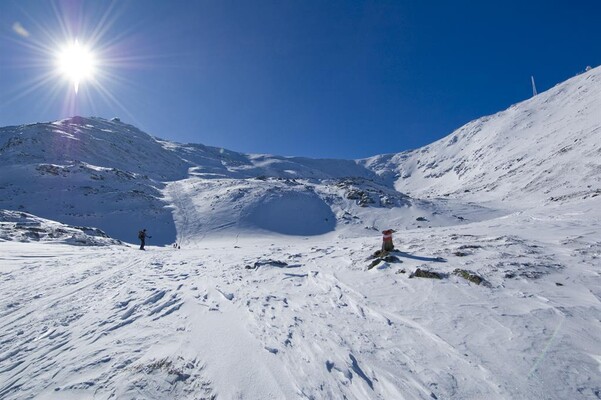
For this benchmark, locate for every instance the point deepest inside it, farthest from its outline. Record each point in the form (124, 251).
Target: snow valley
(493, 291)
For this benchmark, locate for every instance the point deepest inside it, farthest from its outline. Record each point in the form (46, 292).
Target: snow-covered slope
(89, 171)
(282, 318)
(276, 292)
(94, 172)
(542, 150)
(350, 207)
(27, 228)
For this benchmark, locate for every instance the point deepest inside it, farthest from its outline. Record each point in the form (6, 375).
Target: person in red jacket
(387, 240)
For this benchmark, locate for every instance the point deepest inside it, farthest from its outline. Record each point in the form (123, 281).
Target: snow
(543, 150)
(318, 326)
(270, 295)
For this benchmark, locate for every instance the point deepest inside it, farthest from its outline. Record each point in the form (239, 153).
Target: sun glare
(76, 63)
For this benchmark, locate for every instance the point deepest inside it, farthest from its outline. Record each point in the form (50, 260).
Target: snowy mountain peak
(105, 173)
(542, 150)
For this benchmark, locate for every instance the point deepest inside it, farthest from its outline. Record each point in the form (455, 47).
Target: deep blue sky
(332, 79)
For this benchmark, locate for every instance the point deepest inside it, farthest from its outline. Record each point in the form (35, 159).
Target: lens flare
(76, 63)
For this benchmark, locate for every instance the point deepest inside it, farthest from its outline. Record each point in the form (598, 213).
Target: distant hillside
(95, 172)
(110, 175)
(23, 227)
(543, 150)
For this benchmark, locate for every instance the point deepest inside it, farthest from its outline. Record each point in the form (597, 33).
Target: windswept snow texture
(282, 318)
(276, 292)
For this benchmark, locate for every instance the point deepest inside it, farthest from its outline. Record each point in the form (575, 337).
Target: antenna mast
(534, 92)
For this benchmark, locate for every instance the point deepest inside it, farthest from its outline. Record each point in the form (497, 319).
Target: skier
(142, 236)
(387, 240)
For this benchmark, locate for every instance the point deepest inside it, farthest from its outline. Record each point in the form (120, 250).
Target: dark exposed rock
(420, 273)
(374, 263)
(382, 256)
(273, 263)
(532, 274)
(378, 254)
(363, 198)
(470, 276)
(392, 259)
(367, 193)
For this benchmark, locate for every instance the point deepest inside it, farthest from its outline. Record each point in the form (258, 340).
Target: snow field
(280, 317)
(271, 297)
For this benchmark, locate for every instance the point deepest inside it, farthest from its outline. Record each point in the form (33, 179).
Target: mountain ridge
(540, 150)
(105, 173)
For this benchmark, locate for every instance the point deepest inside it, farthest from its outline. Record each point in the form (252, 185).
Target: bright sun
(76, 63)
